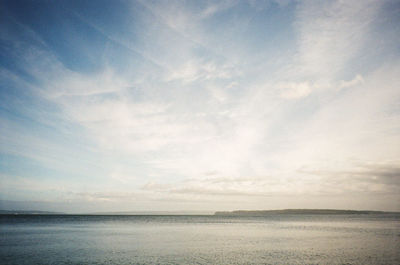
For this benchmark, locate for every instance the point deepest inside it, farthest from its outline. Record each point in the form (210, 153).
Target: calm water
(283, 239)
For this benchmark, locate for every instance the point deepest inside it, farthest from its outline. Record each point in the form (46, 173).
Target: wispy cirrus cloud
(199, 101)
(332, 33)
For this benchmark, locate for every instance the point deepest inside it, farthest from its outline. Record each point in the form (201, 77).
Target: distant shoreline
(27, 212)
(297, 212)
(139, 213)
(249, 213)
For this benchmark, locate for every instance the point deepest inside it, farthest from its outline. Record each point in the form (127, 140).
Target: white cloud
(295, 90)
(197, 71)
(331, 33)
(358, 79)
(199, 127)
(75, 84)
(357, 124)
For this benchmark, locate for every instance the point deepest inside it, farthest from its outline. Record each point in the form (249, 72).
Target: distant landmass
(27, 212)
(218, 213)
(154, 213)
(32, 212)
(294, 211)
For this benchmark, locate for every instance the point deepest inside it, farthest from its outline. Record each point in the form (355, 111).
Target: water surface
(277, 239)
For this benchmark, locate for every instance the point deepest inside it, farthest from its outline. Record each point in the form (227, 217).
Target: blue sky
(199, 105)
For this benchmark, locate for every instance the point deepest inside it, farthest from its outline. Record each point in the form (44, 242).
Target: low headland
(295, 212)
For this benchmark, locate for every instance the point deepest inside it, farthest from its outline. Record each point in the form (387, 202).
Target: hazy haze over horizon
(199, 105)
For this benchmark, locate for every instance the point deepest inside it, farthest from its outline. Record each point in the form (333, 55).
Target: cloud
(188, 114)
(196, 71)
(295, 90)
(354, 124)
(331, 33)
(382, 178)
(241, 187)
(358, 79)
(71, 84)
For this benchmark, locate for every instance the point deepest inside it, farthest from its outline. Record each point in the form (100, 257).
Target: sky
(199, 105)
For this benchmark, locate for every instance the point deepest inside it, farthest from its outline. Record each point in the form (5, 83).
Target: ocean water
(278, 239)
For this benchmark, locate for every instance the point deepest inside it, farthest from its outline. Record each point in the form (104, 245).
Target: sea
(150, 239)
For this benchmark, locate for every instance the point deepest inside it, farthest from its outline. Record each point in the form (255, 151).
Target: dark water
(281, 239)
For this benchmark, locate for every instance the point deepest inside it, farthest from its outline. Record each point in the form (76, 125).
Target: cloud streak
(202, 102)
